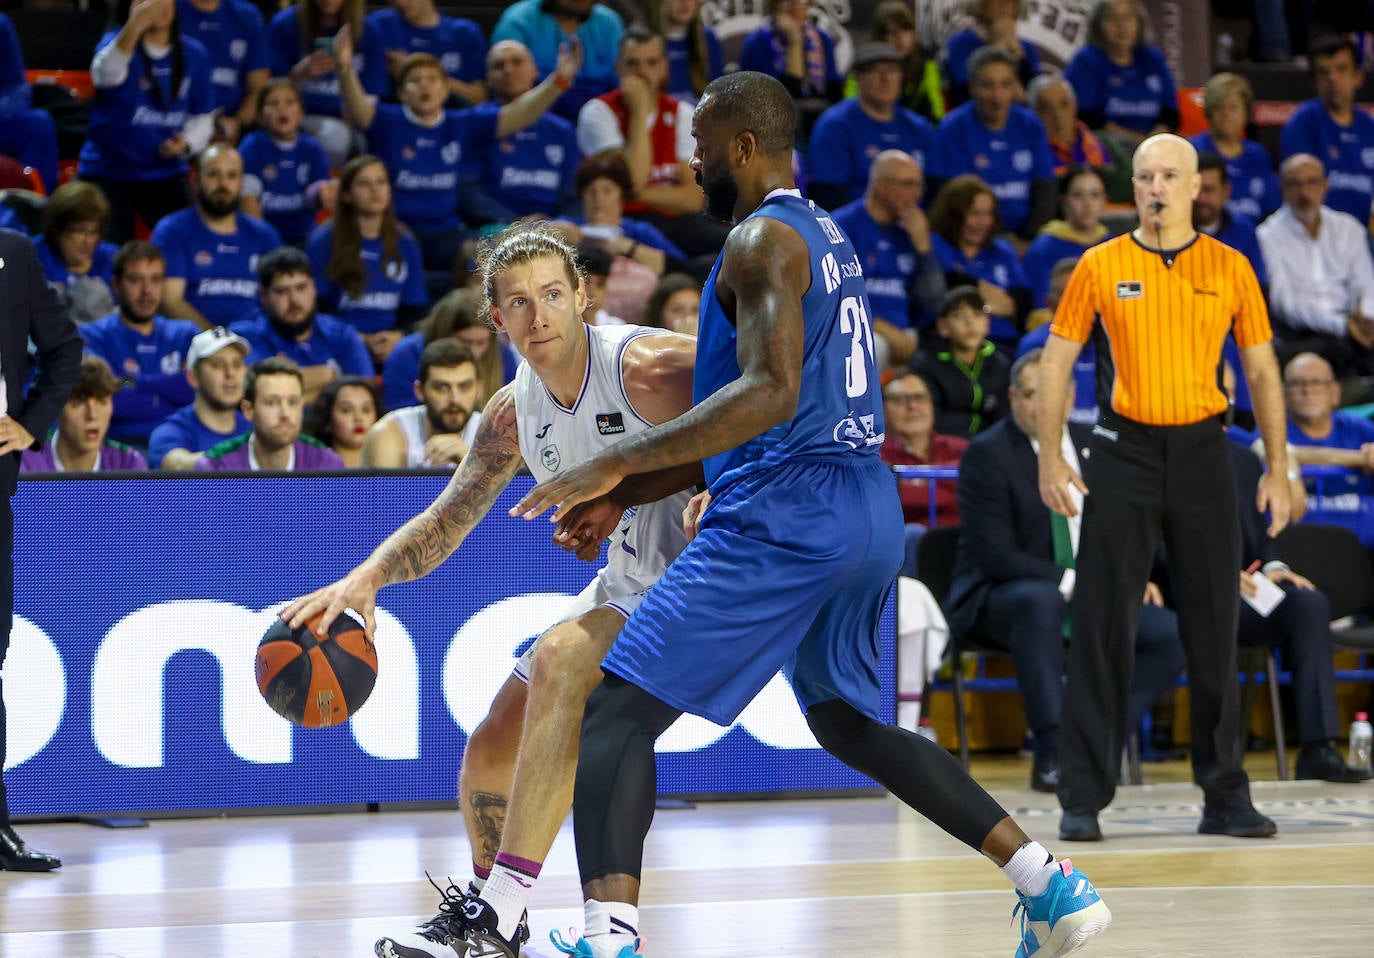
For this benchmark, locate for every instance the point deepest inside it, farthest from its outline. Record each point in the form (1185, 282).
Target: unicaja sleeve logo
(831, 270)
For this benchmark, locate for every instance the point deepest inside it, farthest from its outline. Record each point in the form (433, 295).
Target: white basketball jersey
(554, 437)
(411, 421)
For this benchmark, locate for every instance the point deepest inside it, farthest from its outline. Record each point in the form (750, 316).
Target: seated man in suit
(1299, 626)
(1013, 577)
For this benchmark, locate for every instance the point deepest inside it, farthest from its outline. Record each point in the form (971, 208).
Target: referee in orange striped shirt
(1159, 302)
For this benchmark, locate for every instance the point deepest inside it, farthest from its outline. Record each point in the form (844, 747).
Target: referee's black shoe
(15, 856)
(1238, 821)
(1079, 825)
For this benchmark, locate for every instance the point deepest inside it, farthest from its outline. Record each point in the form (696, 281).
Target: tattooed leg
(488, 766)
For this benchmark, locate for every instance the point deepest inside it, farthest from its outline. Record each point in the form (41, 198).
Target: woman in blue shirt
(152, 111)
(964, 228)
(1123, 84)
(75, 260)
(695, 57)
(1226, 102)
(367, 266)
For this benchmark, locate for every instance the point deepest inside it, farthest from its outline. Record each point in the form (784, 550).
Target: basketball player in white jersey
(579, 390)
(439, 430)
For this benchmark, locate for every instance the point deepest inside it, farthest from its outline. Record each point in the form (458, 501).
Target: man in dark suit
(1300, 626)
(1012, 581)
(29, 312)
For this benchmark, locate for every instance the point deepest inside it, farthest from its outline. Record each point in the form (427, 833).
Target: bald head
(1302, 181)
(895, 185)
(1166, 147)
(1299, 163)
(510, 70)
(1311, 392)
(218, 155)
(1307, 366)
(890, 164)
(1166, 181)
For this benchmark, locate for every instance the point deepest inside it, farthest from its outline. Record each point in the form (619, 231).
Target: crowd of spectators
(385, 145)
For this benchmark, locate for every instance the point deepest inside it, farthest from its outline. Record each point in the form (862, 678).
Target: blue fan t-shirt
(845, 141)
(131, 121)
(321, 94)
(331, 343)
(426, 162)
(1009, 160)
(532, 170)
(386, 285)
(235, 39)
(456, 43)
(1254, 184)
(1133, 96)
(285, 171)
(221, 271)
(1346, 151)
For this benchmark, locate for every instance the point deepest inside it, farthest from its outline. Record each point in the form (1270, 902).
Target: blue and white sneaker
(582, 949)
(1062, 919)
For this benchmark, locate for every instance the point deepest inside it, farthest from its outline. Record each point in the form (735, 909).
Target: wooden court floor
(738, 880)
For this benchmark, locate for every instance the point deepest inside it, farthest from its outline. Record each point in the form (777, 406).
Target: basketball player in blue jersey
(579, 389)
(794, 556)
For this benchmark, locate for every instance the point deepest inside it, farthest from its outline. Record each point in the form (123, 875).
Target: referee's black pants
(1144, 481)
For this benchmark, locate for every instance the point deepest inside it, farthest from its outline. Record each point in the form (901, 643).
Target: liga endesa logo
(127, 699)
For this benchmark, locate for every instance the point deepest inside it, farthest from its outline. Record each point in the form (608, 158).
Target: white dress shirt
(1317, 283)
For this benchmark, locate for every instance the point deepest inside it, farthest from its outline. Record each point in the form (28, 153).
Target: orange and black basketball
(312, 680)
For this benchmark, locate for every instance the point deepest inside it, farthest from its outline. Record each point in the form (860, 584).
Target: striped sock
(508, 891)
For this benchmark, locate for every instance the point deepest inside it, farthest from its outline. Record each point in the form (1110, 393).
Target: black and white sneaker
(444, 935)
(482, 939)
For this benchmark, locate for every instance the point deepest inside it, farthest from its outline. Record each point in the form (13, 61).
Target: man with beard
(212, 247)
(1321, 277)
(273, 402)
(216, 374)
(287, 325)
(439, 431)
(543, 25)
(1212, 214)
(147, 349)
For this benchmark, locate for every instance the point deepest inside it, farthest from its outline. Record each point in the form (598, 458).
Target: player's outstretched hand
(587, 526)
(356, 591)
(593, 478)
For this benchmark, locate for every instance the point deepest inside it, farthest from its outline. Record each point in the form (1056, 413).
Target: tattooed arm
(421, 544)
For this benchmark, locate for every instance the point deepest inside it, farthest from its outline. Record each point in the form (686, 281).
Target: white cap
(211, 341)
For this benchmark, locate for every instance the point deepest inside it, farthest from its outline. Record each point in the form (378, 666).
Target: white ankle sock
(1030, 869)
(609, 926)
(508, 891)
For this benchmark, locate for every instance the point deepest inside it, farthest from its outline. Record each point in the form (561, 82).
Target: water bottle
(926, 729)
(1361, 742)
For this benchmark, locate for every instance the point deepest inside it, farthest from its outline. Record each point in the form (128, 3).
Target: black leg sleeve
(913, 768)
(617, 782)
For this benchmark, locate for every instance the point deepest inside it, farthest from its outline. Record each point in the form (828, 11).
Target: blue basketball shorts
(790, 571)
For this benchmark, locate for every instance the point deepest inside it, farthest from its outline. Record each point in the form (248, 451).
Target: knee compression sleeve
(613, 801)
(913, 768)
